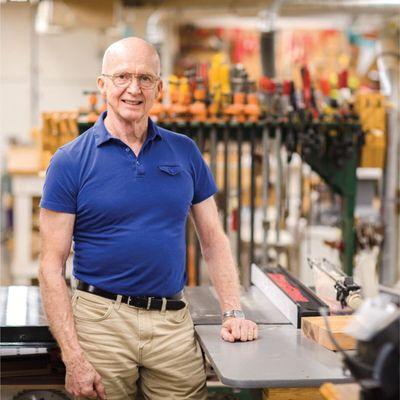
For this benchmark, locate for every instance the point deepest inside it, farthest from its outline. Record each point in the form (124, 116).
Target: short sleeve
(204, 184)
(60, 187)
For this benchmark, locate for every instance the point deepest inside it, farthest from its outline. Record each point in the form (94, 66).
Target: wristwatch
(233, 314)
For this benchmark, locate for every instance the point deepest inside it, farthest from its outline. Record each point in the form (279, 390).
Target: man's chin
(132, 116)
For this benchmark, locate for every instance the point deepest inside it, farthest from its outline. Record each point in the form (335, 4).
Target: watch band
(233, 314)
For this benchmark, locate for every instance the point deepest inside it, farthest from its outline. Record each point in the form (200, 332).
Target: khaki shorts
(134, 348)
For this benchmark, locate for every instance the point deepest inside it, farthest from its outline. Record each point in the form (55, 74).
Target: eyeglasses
(124, 79)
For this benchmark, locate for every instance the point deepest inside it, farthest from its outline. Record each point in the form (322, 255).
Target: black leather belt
(149, 303)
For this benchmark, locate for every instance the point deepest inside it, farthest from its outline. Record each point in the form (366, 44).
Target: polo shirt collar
(152, 130)
(102, 135)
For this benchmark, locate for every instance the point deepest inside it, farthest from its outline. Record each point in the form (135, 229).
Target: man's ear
(159, 88)
(101, 85)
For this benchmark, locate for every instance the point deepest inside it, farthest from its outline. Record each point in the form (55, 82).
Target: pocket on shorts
(91, 310)
(177, 316)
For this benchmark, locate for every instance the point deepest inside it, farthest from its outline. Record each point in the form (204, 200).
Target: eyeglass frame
(113, 76)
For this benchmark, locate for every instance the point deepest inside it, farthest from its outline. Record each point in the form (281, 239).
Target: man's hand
(82, 379)
(235, 329)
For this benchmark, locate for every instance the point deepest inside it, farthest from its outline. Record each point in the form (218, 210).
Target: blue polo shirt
(131, 212)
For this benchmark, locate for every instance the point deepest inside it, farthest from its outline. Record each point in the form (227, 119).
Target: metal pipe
(265, 192)
(34, 70)
(213, 150)
(199, 134)
(388, 67)
(278, 183)
(198, 8)
(295, 7)
(189, 266)
(252, 190)
(267, 21)
(239, 195)
(197, 261)
(200, 138)
(343, 3)
(226, 178)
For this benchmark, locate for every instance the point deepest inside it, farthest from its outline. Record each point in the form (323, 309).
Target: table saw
(280, 358)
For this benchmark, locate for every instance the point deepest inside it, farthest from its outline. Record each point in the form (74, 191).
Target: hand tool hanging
(226, 204)
(267, 92)
(236, 112)
(252, 111)
(214, 109)
(278, 112)
(289, 137)
(265, 191)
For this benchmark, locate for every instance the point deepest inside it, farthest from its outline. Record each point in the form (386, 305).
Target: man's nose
(134, 85)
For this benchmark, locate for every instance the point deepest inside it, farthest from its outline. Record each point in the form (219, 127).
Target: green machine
(332, 150)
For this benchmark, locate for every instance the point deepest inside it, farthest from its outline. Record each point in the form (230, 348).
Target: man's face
(131, 103)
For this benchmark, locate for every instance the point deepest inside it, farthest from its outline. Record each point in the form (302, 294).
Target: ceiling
(285, 7)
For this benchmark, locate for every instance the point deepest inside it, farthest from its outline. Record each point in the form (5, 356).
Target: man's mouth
(133, 103)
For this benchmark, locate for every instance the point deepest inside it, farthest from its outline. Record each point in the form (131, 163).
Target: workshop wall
(15, 70)
(67, 65)
(41, 72)
(49, 72)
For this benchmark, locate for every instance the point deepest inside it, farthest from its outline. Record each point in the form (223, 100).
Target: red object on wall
(202, 72)
(238, 48)
(286, 88)
(325, 87)
(306, 78)
(342, 79)
(267, 85)
(235, 219)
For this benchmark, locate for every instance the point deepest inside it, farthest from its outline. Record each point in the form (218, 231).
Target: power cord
(355, 366)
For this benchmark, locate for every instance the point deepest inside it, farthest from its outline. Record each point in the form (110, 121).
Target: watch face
(238, 314)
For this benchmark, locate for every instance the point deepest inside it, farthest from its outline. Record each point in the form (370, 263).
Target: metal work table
(22, 319)
(281, 357)
(24, 323)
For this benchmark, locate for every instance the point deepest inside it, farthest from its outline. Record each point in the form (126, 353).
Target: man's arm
(217, 253)
(56, 236)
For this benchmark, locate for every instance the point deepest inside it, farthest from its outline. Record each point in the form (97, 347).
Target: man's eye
(122, 77)
(146, 78)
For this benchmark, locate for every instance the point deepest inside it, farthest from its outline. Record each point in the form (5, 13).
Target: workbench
(281, 359)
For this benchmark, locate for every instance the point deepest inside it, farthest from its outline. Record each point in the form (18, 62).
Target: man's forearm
(57, 305)
(223, 273)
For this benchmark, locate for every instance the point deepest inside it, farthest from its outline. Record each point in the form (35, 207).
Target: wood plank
(350, 391)
(314, 328)
(302, 393)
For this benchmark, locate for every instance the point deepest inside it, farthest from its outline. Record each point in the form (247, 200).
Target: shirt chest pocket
(171, 170)
(175, 186)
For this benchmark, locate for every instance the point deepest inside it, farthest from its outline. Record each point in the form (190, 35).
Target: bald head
(129, 49)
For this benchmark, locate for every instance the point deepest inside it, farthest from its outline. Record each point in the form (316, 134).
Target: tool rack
(334, 155)
(332, 150)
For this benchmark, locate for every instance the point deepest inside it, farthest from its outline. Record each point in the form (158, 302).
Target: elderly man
(122, 191)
